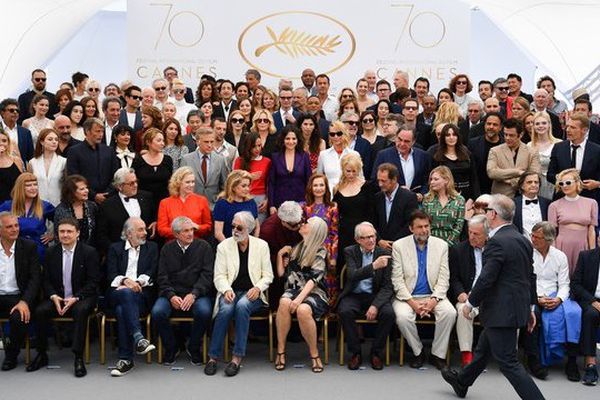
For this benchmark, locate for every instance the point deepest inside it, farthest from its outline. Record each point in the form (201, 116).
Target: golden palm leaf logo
(293, 43)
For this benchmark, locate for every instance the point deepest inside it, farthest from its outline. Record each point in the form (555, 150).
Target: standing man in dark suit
(504, 293)
(393, 207)
(19, 286)
(71, 275)
(367, 293)
(131, 268)
(131, 114)
(227, 102)
(480, 147)
(530, 208)
(577, 152)
(9, 110)
(583, 105)
(286, 114)
(38, 82)
(465, 259)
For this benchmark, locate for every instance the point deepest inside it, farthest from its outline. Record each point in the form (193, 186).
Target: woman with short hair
(75, 203)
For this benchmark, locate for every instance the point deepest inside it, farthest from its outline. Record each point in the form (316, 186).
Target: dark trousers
(80, 311)
(354, 306)
(18, 329)
(531, 341)
(589, 329)
(128, 307)
(501, 344)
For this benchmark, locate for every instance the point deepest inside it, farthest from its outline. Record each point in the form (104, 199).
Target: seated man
(420, 276)
(131, 270)
(585, 289)
(19, 286)
(242, 275)
(185, 286)
(71, 276)
(465, 267)
(558, 317)
(367, 294)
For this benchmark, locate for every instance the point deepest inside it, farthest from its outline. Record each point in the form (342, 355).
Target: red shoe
(467, 357)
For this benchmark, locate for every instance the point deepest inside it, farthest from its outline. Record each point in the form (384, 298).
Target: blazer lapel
(432, 267)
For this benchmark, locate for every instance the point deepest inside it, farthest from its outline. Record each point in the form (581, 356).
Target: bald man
(62, 124)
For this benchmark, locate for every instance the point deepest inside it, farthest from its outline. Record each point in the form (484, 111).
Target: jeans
(128, 306)
(201, 311)
(240, 309)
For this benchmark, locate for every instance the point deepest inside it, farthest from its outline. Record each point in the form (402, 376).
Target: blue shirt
(224, 212)
(388, 203)
(365, 285)
(422, 287)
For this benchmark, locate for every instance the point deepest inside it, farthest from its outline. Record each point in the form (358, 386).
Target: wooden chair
(204, 339)
(112, 319)
(419, 321)
(27, 345)
(260, 316)
(325, 325)
(87, 332)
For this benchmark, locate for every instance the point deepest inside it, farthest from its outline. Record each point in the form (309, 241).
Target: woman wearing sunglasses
(461, 85)
(263, 124)
(329, 159)
(236, 129)
(574, 216)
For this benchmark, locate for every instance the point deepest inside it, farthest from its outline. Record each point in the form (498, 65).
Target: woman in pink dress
(574, 216)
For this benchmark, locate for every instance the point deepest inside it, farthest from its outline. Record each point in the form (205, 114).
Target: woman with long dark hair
(311, 137)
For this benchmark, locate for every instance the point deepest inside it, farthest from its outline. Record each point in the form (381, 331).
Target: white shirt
(108, 131)
(389, 200)
(183, 108)
(132, 206)
(330, 107)
(478, 253)
(532, 214)
(227, 109)
(496, 229)
(133, 255)
(329, 164)
(8, 273)
(228, 151)
(12, 133)
(131, 119)
(579, 152)
(552, 273)
(408, 169)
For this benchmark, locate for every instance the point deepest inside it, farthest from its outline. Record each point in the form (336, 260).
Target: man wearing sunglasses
(130, 114)
(170, 73)
(357, 142)
(286, 114)
(162, 88)
(19, 136)
(38, 86)
(501, 93)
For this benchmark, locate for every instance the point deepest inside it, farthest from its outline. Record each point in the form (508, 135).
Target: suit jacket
(278, 119)
(506, 286)
(404, 203)
(505, 172)
(112, 215)
(383, 290)
(462, 269)
(363, 147)
(476, 130)
(424, 132)
(405, 267)
(26, 145)
(219, 111)
(25, 100)
(118, 259)
(137, 125)
(594, 133)
(96, 165)
(27, 270)
(543, 203)
(189, 95)
(477, 147)
(422, 163)
(557, 130)
(560, 159)
(584, 281)
(85, 274)
(216, 176)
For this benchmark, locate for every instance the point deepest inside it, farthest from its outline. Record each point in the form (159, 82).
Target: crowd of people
(233, 198)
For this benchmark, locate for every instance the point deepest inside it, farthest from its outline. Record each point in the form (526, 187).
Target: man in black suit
(227, 102)
(19, 136)
(490, 105)
(38, 82)
(19, 287)
(357, 143)
(185, 285)
(131, 114)
(393, 207)
(585, 289)
(384, 90)
(71, 275)
(583, 105)
(367, 293)
(286, 114)
(424, 122)
(480, 147)
(530, 208)
(128, 202)
(131, 268)
(62, 125)
(504, 293)
(577, 152)
(465, 259)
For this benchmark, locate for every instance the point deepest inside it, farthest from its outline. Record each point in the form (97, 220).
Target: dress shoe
(536, 369)
(418, 361)
(354, 362)
(437, 362)
(41, 360)
(572, 371)
(9, 363)
(210, 368)
(451, 377)
(232, 369)
(79, 368)
(376, 362)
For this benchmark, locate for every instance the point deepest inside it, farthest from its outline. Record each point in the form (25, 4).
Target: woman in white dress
(543, 141)
(39, 107)
(48, 167)
(329, 159)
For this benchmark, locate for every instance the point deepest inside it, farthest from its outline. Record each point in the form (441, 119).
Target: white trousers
(464, 327)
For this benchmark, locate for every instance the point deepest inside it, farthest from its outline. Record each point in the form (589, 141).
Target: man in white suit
(421, 277)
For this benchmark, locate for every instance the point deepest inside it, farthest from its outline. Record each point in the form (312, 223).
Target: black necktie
(130, 197)
(227, 108)
(574, 148)
(528, 202)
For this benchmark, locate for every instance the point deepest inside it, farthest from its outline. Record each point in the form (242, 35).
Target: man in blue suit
(9, 110)
(286, 114)
(413, 164)
(131, 114)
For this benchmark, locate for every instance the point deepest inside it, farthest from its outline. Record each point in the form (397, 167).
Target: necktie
(130, 197)
(67, 269)
(528, 202)
(227, 108)
(574, 148)
(204, 167)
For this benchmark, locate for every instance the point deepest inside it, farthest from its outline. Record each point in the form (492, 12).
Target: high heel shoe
(317, 366)
(280, 365)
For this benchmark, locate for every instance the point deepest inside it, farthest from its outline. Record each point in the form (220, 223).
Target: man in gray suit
(210, 169)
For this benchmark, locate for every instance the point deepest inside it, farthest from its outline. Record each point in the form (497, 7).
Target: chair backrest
(343, 277)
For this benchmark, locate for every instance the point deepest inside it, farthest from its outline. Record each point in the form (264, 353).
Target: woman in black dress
(76, 204)
(11, 167)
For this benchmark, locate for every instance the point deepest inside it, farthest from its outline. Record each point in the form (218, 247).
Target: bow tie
(121, 154)
(528, 202)
(130, 197)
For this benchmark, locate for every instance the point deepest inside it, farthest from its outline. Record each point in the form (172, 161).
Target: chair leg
(149, 337)
(159, 356)
(270, 337)
(326, 339)
(205, 348)
(87, 341)
(401, 350)
(387, 350)
(102, 340)
(341, 347)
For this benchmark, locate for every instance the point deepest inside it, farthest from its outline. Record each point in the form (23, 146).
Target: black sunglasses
(238, 228)
(339, 134)
(237, 120)
(136, 97)
(297, 224)
(39, 79)
(351, 123)
(160, 88)
(368, 121)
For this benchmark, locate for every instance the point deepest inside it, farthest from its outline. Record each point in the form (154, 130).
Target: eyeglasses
(368, 121)
(93, 89)
(178, 91)
(39, 79)
(472, 111)
(461, 82)
(351, 123)
(297, 224)
(12, 110)
(239, 228)
(285, 97)
(162, 88)
(338, 134)
(132, 183)
(136, 97)
(413, 108)
(565, 183)
(263, 120)
(368, 237)
(347, 96)
(503, 89)
(237, 120)
(489, 209)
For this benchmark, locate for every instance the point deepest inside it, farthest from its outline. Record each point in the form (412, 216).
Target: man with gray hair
(357, 142)
(129, 202)
(131, 267)
(185, 288)
(161, 86)
(367, 294)
(465, 260)
(279, 230)
(243, 273)
(253, 79)
(501, 93)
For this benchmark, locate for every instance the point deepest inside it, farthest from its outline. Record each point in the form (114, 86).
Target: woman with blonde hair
(183, 202)
(235, 198)
(33, 212)
(270, 102)
(11, 166)
(574, 216)
(264, 125)
(257, 97)
(447, 113)
(444, 205)
(329, 159)
(47, 166)
(305, 293)
(543, 141)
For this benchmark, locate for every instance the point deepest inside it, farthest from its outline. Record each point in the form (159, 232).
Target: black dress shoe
(80, 370)
(536, 369)
(232, 369)
(376, 362)
(437, 362)
(40, 360)
(354, 362)
(451, 377)
(418, 361)
(572, 371)
(9, 363)
(210, 368)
